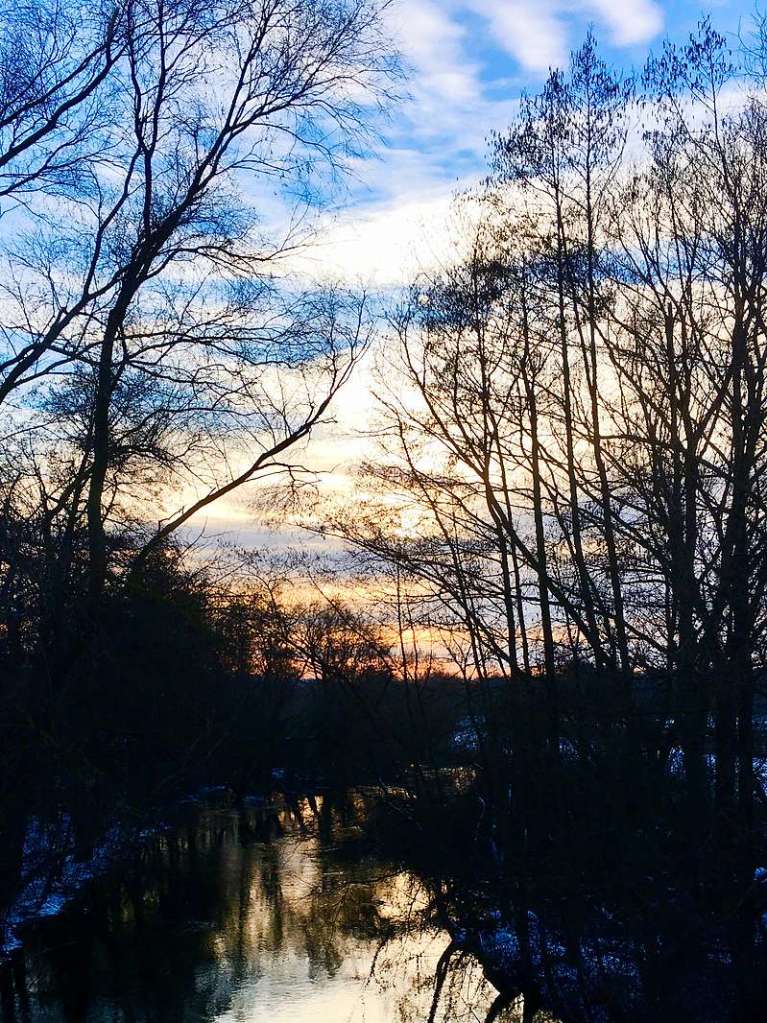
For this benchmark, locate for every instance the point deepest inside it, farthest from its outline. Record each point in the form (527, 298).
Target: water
(290, 912)
(244, 917)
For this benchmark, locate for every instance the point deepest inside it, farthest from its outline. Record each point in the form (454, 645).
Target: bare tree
(577, 432)
(55, 62)
(145, 317)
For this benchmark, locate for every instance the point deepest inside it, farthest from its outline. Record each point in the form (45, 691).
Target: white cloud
(435, 45)
(536, 32)
(386, 246)
(630, 21)
(437, 142)
(533, 33)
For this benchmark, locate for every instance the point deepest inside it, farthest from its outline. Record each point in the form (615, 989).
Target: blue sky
(469, 61)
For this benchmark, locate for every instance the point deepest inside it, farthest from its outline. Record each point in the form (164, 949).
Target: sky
(468, 61)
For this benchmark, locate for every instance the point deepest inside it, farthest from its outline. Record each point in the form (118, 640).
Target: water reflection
(248, 915)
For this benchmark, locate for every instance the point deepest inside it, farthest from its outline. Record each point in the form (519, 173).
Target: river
(268, 914)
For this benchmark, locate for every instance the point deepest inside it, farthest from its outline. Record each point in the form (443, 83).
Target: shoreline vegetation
(569, 958)
(554, 687)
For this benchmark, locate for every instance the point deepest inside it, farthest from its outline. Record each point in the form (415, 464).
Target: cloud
(460, 90)
(461, 87)
(631, 21)
(537, 33)
(435, 45)
(533, 33)
(389, 244)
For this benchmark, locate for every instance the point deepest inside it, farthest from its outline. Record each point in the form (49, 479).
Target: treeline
(155, 354)
(570, 504)
(189, 686)
(159, 163)
(576, 427)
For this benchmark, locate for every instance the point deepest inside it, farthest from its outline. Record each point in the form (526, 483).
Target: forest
(524, 655)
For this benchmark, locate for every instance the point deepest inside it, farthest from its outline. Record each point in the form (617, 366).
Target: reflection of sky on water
(314, 954)
(216, 925)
